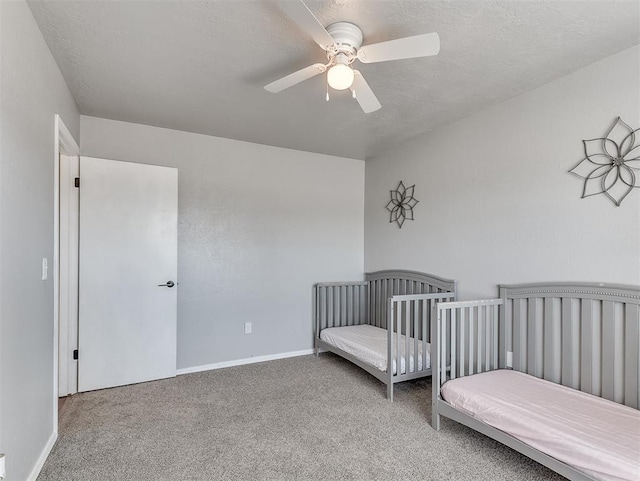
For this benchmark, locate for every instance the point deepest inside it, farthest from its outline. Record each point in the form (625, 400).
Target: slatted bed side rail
(412, 314)
(387, 283)
(467, 337)
(408, 350)
(339, 304)
(584, 336)
(466, 340)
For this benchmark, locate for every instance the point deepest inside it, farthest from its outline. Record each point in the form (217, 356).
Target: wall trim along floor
(241, 362)
(43, 457)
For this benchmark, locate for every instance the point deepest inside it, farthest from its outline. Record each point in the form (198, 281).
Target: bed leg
(317, 351)
(390, 392)
(435, 419)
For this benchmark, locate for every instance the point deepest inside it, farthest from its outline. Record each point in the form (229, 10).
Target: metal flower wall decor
(611, 165)
(401, 205)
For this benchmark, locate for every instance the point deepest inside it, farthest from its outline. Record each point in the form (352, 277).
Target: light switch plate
(247, 328)
(3, 471)
(45, 268)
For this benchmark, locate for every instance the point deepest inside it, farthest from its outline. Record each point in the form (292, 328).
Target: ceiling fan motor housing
(348, 39)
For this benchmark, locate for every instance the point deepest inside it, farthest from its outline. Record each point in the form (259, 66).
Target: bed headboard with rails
(339, 304)
(384, 284)
(584, 336)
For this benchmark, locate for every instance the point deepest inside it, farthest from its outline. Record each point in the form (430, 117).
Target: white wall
(496, 202)
(258, 226)
(33, 90)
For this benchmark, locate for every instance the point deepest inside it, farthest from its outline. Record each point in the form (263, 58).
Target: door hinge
(77, 182)
(75, 354)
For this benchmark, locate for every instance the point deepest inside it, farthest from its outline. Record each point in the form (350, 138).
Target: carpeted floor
(303, 418)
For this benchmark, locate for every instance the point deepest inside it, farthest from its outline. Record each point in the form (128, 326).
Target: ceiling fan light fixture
(342, 42)
(340, 76)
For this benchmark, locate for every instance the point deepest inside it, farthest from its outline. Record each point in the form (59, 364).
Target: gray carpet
(303, 418)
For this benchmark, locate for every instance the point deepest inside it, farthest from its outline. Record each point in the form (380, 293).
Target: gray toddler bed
(382, 324)
(550, 370)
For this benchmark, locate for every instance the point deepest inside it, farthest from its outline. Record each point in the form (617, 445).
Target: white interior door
(128, 249)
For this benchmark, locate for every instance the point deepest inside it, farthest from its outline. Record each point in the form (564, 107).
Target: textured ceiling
(200, 66)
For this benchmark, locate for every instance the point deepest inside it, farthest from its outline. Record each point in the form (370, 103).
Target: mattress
(598, 437)
(369, 344)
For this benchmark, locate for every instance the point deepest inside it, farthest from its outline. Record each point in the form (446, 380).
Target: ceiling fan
(343, 43)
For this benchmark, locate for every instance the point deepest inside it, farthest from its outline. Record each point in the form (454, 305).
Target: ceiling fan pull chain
(327, 91)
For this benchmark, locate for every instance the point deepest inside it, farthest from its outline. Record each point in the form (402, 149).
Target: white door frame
(64, 143)
(68, 277)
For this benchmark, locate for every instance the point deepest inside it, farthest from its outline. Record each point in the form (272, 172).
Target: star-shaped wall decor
(611, 164)
(401, 205)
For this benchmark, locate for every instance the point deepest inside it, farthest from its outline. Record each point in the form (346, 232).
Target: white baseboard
(43, 457)
(241, 362)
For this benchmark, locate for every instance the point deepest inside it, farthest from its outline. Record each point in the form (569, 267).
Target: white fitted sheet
(601, 438)
(369, 344)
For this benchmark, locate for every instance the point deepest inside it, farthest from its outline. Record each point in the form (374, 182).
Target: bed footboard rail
(409, 335)
(467, 337)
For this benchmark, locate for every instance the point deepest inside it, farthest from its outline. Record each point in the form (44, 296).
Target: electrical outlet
(3, 471)
(247, 328)
(509, 359)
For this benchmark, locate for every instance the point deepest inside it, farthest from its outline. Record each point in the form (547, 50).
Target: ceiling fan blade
(295, 78)
(409, 47)
(364, 95)
(300, 13)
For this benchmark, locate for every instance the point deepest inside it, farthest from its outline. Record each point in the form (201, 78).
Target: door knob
(168, 284)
